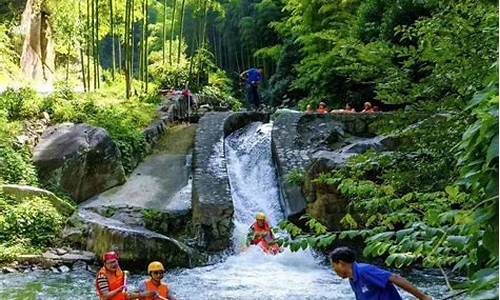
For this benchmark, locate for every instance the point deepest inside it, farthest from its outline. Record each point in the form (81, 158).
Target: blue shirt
(254, 75)
(372, 283)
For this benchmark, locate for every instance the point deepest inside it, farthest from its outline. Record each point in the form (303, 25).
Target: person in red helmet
(110, 280)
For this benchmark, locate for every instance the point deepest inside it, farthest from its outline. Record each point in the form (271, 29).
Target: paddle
(125, 275)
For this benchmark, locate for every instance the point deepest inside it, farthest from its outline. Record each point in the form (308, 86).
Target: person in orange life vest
(322, 108)
(154, 288)
(260, 230)
(110, 280)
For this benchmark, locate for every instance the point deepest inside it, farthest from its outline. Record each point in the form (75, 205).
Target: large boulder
(136, 245)
(298, 140)
(81, 159)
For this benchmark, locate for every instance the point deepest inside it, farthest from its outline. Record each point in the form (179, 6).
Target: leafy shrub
(124, 124)
(20, 104)
(16, 166)
(34, 219)
(172, 76)
(295, 177)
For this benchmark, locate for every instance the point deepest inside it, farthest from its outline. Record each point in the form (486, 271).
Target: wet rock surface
(136, 244)
(57, 260)
(147, 218)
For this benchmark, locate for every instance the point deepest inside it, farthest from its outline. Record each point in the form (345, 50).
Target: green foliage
(172, 76)
(16, 166)
(20, 104)
(34, 220)
(125, 123)
(432, 202)
(397, 51)
(295, 177)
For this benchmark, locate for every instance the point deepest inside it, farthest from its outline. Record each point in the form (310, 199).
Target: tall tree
(127, 47)
(97, 43)
(172, 32)
(181, 22)
(145, 63)
(112, 28)
(87, 38)
(164, 31)
(94, 52)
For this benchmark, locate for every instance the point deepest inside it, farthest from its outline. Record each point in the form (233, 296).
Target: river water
(244, 275)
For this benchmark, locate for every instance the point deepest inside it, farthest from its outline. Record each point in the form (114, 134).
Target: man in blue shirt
(253, 78)
(369, 282)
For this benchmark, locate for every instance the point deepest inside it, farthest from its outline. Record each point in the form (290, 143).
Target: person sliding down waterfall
(261, 234)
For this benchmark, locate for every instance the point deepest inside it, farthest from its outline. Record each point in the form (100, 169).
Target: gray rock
(9, 270)
(85, 256)
(64, 269)
(30, 259)
(81, 159)
(79, 265)
(55, 270)
(299, 139)
(135, 245)
(60, 251)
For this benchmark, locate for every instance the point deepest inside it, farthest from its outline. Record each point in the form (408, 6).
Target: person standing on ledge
(253, 78)
(370, 282)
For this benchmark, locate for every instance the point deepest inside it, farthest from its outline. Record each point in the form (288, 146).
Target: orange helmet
(261, 216)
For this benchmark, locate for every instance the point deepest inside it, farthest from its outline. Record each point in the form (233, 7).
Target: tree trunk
(112, 25)
(145, 63)
(94, 54)
(82, 62)
(127, 48)
(180, 31)
(38, 56)
(172, 27)
(98, 49)
(132, 42)
(87, 38)
(164, 30)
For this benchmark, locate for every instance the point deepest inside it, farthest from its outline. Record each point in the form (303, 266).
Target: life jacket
(162, 289)
(258, 229)
(117, 282)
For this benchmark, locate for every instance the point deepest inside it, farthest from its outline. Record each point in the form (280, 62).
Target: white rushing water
(250, 274)
(244, 275)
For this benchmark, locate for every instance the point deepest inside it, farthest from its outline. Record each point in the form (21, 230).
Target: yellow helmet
(260, 216)
(155, 266)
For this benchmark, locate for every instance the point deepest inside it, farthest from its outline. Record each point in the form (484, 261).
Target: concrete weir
(212, 202)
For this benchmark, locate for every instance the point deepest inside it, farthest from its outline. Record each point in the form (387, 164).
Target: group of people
(367, 281)
(111, 282)
(322, 109)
